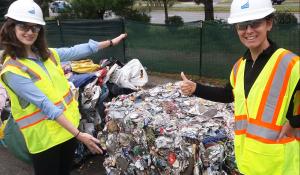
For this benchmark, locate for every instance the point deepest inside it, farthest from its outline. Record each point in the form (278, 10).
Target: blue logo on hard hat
(246, 5)
(32, 11)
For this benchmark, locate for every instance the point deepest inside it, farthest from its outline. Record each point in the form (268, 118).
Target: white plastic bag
(132, 75)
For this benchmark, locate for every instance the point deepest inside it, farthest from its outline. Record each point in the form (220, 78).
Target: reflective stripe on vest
(297, 134)
(68, 97)
(263, 134)
(273, 96)
(33, 75)
(264, 127)
(38, 116)
(240, 124)
(235, 69)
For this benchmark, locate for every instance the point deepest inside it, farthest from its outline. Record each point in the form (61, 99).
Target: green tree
(162, 3)
(44, 4)
(4, 6)
(97, 8)
(208, 8)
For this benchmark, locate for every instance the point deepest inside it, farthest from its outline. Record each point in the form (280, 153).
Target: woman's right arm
(217, 94)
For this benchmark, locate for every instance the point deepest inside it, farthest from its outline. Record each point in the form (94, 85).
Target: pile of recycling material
(93, 84)
(161, 131)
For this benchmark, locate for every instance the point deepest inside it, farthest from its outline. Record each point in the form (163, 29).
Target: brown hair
(270, 16)
(14, 48)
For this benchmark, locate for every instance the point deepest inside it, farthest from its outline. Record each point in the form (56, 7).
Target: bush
(137, 16)
(285, 18)
(175, 20)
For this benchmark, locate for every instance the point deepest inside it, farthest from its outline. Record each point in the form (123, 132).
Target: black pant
(55, 161)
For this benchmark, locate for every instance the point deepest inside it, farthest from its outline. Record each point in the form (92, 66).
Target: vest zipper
(246, 103)
(253, 63)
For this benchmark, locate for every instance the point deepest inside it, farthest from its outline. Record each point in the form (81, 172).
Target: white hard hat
(247, 10)
(26, 11)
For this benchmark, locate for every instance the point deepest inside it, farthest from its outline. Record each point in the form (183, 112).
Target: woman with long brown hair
(41, 101)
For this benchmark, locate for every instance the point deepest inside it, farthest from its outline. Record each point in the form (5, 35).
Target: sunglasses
(25, 27)
(253, 24)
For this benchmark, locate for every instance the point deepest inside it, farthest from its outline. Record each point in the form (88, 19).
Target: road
(158, 16)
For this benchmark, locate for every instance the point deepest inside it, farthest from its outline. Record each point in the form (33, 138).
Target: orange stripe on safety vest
(264, 140)
(264, 124)
(268, 86)
(17, 64)
(13, 65)
(68, 97)
(240, 132)
(240, 117)
(27, 118)
(283, 89)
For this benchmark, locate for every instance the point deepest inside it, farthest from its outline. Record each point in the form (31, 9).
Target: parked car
(59, 6)
(277, 2)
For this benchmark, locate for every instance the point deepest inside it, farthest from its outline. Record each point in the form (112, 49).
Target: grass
(224, 6)
(227, 8)
(285, 2)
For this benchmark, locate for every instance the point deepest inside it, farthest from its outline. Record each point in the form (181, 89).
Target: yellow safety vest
(40, 133)
(259, 117)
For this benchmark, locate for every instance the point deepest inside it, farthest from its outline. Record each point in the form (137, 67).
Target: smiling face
(253, 34)
(27, 33)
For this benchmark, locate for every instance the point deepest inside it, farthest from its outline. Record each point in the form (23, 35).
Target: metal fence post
(200, 61)
(60, 33)
(124, 44)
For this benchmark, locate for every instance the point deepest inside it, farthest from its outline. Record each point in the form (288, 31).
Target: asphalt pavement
(9, 165)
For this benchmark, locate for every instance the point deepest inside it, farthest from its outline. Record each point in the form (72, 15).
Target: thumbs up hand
(187, 86)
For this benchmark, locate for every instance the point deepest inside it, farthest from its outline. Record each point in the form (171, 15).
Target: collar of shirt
(267, 53)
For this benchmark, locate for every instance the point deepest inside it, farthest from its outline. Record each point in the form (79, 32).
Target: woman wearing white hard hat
(41, 101)
(265, 88)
